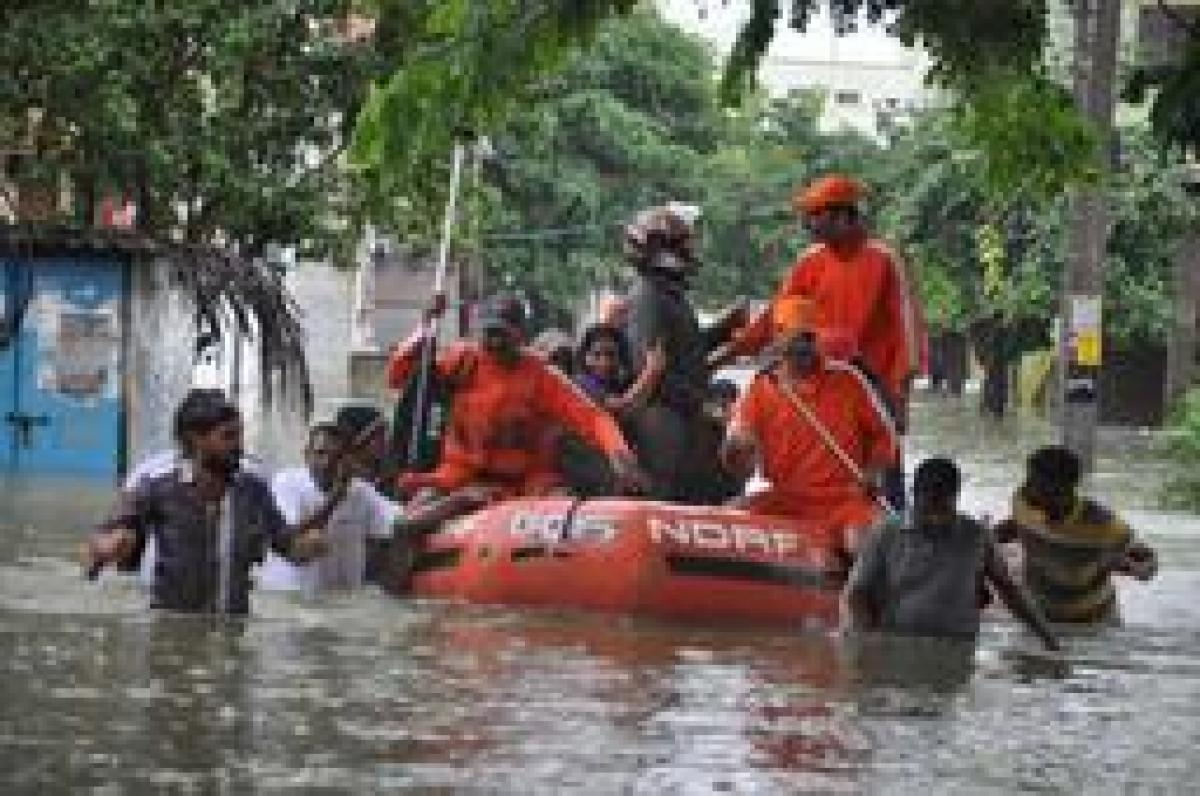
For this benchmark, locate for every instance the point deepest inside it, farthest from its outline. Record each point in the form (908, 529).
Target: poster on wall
(79, 350)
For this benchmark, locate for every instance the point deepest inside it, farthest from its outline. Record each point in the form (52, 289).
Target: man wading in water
(1072, 545)
(211, 519)
(922, 576)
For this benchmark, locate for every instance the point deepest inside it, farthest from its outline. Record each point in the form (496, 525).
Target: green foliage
(1151, 212)
(627, 123)
(234, 111)
(633, 121)
(1175, 113)
(1184, 447)
(1029, 137)
(474, 62)
(979, 252)
(967, 41)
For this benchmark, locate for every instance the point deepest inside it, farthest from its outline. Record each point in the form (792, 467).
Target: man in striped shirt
(1072, 545)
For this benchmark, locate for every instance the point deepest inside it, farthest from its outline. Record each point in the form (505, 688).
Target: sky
(720, 20)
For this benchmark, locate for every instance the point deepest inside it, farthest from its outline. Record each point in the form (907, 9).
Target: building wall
(393, 291)
(859, 95)
(160, 361)
(874, 74)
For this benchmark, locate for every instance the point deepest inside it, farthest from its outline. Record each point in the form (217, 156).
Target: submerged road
(363, 693)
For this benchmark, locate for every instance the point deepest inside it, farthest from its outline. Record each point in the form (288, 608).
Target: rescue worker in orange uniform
(800, 420)
(860, 299)
(503, 399)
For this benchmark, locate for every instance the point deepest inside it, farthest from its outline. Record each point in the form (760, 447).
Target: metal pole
(432, 321)
(1097, 27)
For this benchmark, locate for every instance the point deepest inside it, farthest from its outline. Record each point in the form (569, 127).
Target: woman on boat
(604, 370)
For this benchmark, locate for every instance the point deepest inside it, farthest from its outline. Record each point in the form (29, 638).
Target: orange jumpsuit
(808, 481)
(861, 306)
(496, 433)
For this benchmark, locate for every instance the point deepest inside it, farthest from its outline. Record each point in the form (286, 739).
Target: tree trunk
(1182, 343)
(994, 396)
(1097, 27)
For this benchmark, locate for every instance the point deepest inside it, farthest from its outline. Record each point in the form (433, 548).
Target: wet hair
(505, 308)
(353, 420)
(937, 479)
(200, 411)
(325, 429)
(1056, 466)
(603, 331)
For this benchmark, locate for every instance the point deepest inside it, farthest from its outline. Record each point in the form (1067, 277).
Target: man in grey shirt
(925, 577)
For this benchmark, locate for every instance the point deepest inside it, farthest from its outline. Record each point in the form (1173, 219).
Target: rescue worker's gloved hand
(628, 475)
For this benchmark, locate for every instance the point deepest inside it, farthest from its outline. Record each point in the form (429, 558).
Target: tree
(224, 121)
(632, 121)
(625, 124)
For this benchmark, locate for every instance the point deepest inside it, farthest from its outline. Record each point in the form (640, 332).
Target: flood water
(363, 693)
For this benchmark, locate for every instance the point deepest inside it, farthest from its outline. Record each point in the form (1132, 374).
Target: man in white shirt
(363, 513)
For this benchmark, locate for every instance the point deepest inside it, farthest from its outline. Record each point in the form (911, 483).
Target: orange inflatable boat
(633, 557)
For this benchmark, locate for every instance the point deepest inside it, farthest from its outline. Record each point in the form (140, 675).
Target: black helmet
(660, 238)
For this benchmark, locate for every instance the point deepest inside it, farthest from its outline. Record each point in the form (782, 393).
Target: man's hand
(628, 474)
(310, 544)
(1139, 562)
(437, 307)
(109, 547)
(739, 454)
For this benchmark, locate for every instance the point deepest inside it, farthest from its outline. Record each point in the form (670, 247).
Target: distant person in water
(364, 432)
(1072, 545)
(922, 576)
(362, 515)
(211, 519)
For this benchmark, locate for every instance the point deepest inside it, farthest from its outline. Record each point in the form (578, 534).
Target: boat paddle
(432, 320)
(836, 450)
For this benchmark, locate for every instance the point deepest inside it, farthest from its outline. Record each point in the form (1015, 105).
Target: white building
(869, 78)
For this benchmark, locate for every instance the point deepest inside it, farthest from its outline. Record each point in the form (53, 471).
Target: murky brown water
(365, 693)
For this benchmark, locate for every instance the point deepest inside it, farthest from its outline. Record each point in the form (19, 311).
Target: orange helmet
(832, 190)
(791, 315)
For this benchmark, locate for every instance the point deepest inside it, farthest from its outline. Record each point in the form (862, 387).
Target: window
(847, 97)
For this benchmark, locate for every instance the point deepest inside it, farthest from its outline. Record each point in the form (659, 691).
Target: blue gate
(61, 366)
